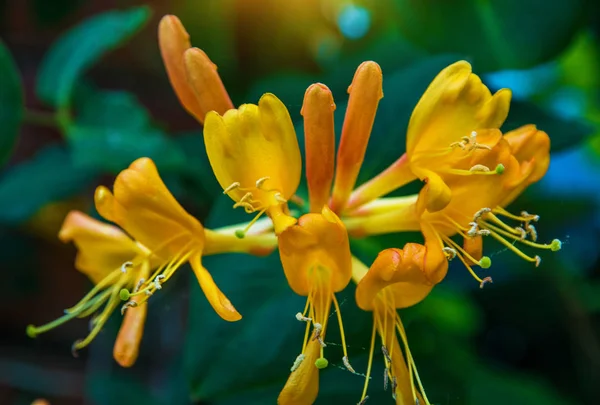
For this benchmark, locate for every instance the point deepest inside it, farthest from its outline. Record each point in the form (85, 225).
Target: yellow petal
(435, 195)
(174, 40)
(435, 264)
(144, 207)
(455, 104)
(302, 386)
(215, 297)
(102, 248)
(401, 272)
(251, 143)
(365, 92)
(319, 138)
(206, 83)
(318, 240)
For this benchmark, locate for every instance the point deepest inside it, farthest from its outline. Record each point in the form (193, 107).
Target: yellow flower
(448, 123)
(476, 208)
(315, 255)
(192, 74)
(254, 154)
(166, 237)
(106, 255)
(381, 290)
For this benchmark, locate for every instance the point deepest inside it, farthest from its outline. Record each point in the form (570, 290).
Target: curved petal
(144, 207)
(215, 297)
(399, 271)
(102, 248)
(318, 240)
(435, 195)
(455, 104)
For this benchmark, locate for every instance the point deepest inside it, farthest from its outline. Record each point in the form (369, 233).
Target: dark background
(80, 99)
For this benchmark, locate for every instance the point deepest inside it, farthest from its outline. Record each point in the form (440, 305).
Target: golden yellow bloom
(477, 205)
(105, 255)
(447, 124)
(254, 154)
(315, 255)
(377, 291)
(166, 237)
(192, 74)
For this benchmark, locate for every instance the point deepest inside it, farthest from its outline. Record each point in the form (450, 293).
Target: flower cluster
(469, 169)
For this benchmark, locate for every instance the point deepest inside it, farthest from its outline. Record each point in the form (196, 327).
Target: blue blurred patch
(354, 21)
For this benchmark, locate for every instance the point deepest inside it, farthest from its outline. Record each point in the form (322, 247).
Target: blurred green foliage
(459, 340)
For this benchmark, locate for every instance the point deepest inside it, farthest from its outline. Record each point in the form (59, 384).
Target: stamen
(125, 266)
(522, 231)
(241, 233)
(303, 318)
(231, 187)
(279, 198)
(370, 362)
(158, 280)
(449, 252)
(297, 362)
(394, 386)
(317, 334)
(128, 304)
(385, 378)
(140, 283)
(347, 364)
(480, 213)
(479, 168)
(532, 231)
(386, 354)
(363, 401)
(261, 181)
(485, 281)
(538, 261)
(530, 217)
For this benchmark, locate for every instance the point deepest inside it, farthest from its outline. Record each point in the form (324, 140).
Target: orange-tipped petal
(144, 207)
(318, 240)
(302, 386)
(527, 143)
(435, 264)
(365, 92)
(400, 270)
(319, 138)
(215, 297)
(206, 83)
(102, 248)
(455, 104)
(174, 40)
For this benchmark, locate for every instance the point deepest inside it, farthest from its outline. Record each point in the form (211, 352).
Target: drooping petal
(435, 264)
(435, 194)
(205, 82)
(317, 241)
(214, 295)
(401, 272)
(174, 40)
(319, 138)
(455, 104)
(144, 207)
(365, 92)
(102, 248)
(302, 386)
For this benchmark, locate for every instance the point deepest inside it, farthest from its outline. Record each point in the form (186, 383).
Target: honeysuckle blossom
(254, 155)
(164, 236)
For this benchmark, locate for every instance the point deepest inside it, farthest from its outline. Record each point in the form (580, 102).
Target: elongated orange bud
(365, 93)
(128, 341)
(206, 83)
(319, 139)
(173, 41)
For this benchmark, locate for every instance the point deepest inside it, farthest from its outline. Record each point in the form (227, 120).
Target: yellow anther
(480, 213)
(231, 187)
(485, 281)
(347, 364)
(363, 401)
(246, 198)
(532, 231)
(522, 232)
(128, 304)
(279, 198)
(394, 386)
(386, 354)
(479, 168)
(297, 362)
(386, 378)
(530, 217)
(538, 261)
(317, 334)
(303, 318)
(449, 252)
(261, 181)
(125, 266)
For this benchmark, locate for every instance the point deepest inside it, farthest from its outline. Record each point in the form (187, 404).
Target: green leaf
(564, 133)
(112, 129)
(82, 46)
(11, 103)
(509, 34)
(49, 176)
